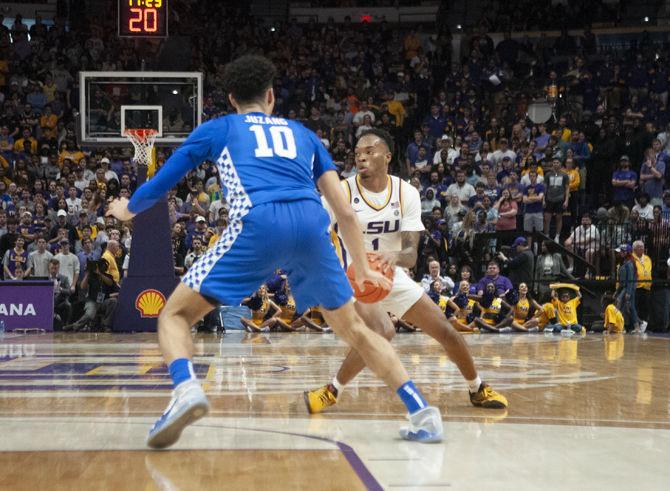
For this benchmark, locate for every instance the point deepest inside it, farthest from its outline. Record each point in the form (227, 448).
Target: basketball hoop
(143, 142)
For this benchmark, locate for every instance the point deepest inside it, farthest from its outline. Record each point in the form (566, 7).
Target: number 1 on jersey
(283, 142)
(375, 245)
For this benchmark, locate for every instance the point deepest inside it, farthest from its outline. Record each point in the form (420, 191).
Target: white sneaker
(189, 404)
(643, 326)
(533, 329)
(425, 426)
(567, 332)
(505, 330)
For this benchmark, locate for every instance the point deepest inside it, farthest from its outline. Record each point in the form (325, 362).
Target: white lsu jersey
(383, 216)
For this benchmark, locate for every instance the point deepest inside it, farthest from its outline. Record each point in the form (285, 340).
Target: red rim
(141, 133)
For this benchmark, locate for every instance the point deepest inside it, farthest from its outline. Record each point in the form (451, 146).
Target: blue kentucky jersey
(260, 159)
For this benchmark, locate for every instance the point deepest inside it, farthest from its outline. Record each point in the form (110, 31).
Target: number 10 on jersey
(283, 142)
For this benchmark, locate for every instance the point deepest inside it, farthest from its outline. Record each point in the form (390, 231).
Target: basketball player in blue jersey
(268, 168)
(389, 212)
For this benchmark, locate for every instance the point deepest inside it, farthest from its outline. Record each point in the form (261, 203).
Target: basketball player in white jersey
(389, 210)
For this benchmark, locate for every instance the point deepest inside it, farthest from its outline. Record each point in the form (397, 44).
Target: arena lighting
(273, 29)
(459, 27)
(646, 19)
(175, 92)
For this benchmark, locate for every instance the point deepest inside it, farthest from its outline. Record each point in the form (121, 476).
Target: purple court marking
(349, 453)
(83, 387)
(81, 377)
(102, 355)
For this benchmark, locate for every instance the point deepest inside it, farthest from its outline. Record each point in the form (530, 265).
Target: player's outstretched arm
(329, 184)
(195, 149)
(119, 209)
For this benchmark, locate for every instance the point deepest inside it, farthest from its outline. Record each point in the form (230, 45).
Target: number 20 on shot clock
(143, 18)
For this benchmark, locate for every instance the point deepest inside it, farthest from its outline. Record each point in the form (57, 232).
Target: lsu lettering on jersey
(492, 314)
(522, 311)
(383, 217)
(268, 169)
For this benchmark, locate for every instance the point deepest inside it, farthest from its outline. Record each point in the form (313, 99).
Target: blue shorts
(290, 235)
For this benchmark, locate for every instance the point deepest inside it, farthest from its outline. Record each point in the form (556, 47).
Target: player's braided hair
(383, 134)
(248, 77)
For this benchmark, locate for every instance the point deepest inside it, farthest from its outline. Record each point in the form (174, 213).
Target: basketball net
(143, 141)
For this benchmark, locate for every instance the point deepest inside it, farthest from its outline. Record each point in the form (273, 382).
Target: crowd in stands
(494, 184)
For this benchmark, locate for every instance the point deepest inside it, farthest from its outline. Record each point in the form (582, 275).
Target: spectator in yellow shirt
(65, 153)
(396, 109)
(545, 316)
(573, 174)
(643, 267)
(48, 123)
(27, 137)
(566, 311)
(110, 256)
(613, 318)
(563, 133)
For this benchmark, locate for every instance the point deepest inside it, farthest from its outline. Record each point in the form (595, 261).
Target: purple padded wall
(151, 268)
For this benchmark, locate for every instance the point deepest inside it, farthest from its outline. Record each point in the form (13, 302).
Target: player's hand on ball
(119, 209)
(372, 284)
(387, 260)
(374, 277)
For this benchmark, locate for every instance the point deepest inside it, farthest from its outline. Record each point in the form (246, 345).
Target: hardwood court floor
(585, 413)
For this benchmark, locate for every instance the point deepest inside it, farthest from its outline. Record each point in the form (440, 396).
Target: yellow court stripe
(211, 372)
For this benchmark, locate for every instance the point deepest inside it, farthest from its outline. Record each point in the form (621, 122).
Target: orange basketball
(370, 293)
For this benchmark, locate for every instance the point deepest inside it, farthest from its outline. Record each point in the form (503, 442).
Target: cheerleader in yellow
(263, 311)
(460, 309)
(287, 320)
(613, 318)
(313, 319)
(546, 314)
(523, 310)
(495, 315)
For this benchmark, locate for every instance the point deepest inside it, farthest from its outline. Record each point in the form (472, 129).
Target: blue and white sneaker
(188, 405)
(425, 426)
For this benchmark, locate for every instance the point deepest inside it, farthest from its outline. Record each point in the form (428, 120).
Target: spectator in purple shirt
(502, 283)
(624, 182)
(435, 121)
(541, 140)
(412, 153)
(652, 174)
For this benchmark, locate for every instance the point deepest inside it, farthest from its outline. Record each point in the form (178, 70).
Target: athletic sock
(473, 385)
(337, 386)
(181, 370)
(411, 397)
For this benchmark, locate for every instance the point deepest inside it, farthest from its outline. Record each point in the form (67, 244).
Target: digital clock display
(143, 18)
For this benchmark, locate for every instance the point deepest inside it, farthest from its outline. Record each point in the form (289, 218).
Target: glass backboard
(110, 102)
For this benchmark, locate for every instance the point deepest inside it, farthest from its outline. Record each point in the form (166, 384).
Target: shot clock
(143, 18)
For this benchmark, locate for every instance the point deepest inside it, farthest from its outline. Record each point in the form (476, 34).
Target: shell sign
(150, 303)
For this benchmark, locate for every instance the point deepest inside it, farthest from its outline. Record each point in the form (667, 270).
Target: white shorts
(404, 294)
